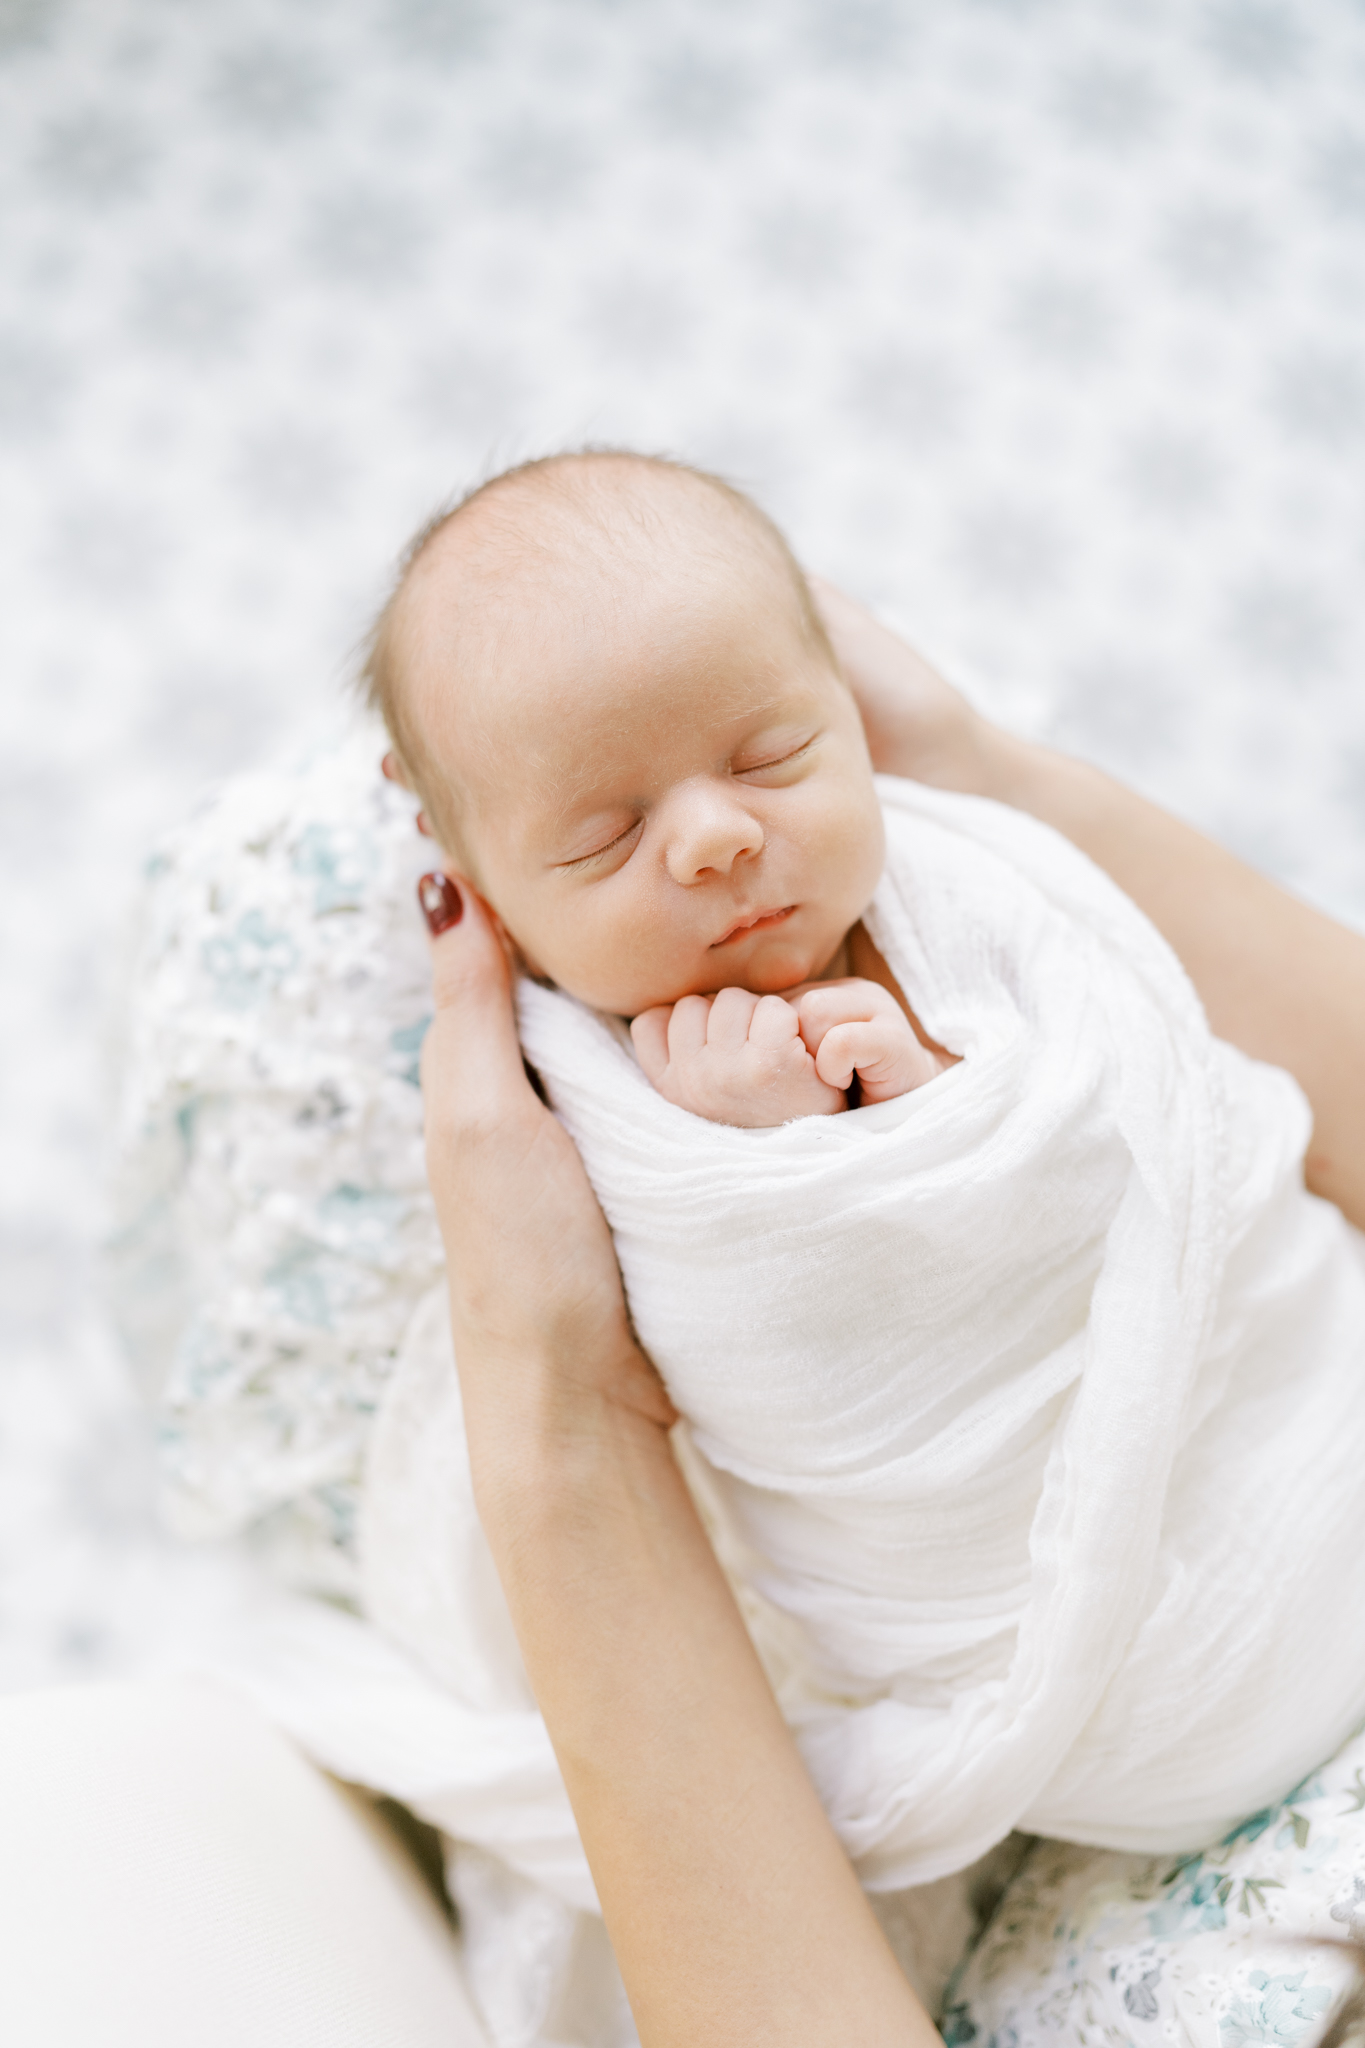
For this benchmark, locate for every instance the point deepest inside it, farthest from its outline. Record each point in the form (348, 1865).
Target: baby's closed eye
(616, 844)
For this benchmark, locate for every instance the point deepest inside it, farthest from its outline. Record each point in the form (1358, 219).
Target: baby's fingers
(727, 1026)
(649, 1034)
(774, 1024)
(845, 1047)
(852, 1001)
(687, 1026)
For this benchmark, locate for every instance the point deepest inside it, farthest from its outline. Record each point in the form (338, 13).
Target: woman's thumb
(473, 1037)
(468, 960)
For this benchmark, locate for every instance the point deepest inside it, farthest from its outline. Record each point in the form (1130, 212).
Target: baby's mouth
(761, 919)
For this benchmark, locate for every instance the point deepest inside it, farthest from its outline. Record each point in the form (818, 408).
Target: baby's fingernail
(442, 903)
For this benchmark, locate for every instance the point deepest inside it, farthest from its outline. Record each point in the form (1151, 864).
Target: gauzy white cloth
(1029, 1405)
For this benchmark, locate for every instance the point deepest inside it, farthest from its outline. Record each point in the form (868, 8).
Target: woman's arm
(734, 1914)
(1276, 977)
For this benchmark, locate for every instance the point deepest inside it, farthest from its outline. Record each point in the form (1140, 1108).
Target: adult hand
(1277, 978)
(734, 1915)
(542, 1337)
(917, 724)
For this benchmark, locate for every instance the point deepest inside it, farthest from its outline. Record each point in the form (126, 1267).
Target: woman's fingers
(471, 1061)
(916, 723)
(537, 1309)
(460, 963)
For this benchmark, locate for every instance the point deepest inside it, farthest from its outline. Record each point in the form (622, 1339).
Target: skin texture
(667, 789)
(734, 1916)
(760, 1060)
(1276, 977)
(660, 780)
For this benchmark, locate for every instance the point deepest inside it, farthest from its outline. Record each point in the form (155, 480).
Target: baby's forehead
(587, 680)
(547, 624)
(605, 525)
(509, 583)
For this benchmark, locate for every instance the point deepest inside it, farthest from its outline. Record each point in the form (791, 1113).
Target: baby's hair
(380, 674)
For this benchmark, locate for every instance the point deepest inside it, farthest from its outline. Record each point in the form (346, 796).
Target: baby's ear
(393, 770)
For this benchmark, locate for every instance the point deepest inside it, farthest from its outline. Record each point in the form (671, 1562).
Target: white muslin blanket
(1027, 1411)
(1030, 1406)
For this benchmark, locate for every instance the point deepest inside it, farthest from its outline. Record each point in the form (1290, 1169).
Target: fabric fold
(943, 1359)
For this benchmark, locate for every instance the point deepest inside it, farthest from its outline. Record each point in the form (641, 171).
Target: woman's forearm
(1277, 978)
(734, 1914)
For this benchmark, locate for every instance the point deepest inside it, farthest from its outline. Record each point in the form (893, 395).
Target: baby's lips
(442, 904)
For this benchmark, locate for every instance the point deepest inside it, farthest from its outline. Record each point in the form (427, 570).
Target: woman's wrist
(1031, 777)
(544, 1437)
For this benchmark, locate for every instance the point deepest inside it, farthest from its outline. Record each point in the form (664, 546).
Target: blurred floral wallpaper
(1038, 323)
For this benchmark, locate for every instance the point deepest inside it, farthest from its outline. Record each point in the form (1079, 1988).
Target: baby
(1024, 1405)
(606, 679)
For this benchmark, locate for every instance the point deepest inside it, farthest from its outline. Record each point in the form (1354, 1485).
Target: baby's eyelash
(779, 760)
(588, 860)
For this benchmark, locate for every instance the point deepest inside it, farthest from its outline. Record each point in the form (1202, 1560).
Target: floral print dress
(1237, 1946)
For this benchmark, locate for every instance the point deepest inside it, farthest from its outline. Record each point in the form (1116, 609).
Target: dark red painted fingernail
(442, 903)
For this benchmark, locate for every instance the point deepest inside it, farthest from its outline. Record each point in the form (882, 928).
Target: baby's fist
(734, 1057)
(856, 1026)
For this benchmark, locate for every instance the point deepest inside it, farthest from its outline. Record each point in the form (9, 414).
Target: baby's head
(604, 677)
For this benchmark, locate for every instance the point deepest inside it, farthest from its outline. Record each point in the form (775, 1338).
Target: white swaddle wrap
(1030, 1404)
(1032, 1399)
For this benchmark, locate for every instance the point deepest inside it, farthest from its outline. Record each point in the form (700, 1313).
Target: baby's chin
(770, 970)
(776, 968)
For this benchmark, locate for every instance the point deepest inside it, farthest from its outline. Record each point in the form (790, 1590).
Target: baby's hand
(735, 1058)
(858, 1026)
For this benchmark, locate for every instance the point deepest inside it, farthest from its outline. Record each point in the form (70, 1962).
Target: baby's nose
(710, 830)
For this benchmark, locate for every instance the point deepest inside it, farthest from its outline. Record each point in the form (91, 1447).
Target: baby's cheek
(846, 845)
(622, 969)
(867, 850)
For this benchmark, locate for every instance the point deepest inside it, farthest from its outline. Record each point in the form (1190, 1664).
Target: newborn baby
(1024, 1403)
(608, 683)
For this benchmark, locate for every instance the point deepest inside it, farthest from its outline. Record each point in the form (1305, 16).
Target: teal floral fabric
(1238, 1946)
(273, 1225)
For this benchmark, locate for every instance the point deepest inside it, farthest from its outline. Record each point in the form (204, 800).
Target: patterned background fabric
(1234, 1948)
(1037, 323)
